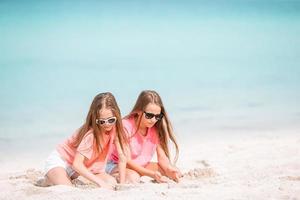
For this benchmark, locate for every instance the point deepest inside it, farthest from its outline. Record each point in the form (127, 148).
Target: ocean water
(222, 66)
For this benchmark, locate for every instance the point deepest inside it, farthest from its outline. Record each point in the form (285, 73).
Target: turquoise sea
(220, 66)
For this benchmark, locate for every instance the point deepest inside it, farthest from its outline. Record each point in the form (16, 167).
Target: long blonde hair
(163, 126)
(102, 100)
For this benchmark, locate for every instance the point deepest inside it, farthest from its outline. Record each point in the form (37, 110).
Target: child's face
(106, 115)
(151, 108)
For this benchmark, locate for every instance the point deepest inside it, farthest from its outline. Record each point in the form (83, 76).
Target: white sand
(261, 166)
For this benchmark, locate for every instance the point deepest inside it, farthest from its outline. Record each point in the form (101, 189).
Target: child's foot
(42, 182)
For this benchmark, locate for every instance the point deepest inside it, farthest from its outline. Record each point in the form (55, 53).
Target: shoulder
(128, 122)
(88, 137)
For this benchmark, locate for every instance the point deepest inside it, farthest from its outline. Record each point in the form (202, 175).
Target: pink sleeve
(85, 147)
(156, 138)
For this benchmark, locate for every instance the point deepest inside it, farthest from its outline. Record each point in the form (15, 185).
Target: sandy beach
(250, 166)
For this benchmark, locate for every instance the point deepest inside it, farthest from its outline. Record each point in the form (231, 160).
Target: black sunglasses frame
(158, 117)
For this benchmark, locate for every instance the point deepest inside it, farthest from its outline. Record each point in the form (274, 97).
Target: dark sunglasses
(151, 115)
(109, 121)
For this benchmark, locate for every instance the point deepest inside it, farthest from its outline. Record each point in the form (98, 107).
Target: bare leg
(132, 176)
(110, 180)
(115, 173)
(58, 176)
(43, 182)
(153, 166)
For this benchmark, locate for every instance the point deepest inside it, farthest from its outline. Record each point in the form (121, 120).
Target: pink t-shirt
(142, 148)
(94, 161)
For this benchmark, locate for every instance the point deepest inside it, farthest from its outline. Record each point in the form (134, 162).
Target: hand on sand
(106, 186)
(173, 173)
(159, 178)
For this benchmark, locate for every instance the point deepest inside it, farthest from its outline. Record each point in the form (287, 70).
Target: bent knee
(112, 180)
(132, 176)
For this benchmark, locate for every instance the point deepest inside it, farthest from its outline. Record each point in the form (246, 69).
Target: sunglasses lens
(111, 121)
(104, 121)
(149, 115)
(159, 117)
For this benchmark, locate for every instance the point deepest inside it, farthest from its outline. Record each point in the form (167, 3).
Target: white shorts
(110, 166)
(55, 160)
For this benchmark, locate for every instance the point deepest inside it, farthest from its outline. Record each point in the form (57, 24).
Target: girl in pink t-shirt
(148, 130)
(86, 152)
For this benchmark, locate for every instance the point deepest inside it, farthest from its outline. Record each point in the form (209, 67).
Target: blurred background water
(220, 66)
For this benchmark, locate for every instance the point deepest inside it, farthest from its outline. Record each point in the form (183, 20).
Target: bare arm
(164, 162)
(83, 171)
(145, 172)
(139, 169)
(122, 161)
(162, 158)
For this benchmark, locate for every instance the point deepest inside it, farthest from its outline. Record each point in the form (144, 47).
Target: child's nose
(153, 120)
